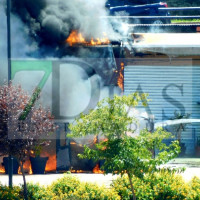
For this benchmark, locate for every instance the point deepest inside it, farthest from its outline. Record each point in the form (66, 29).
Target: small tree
(120, 152)
(19, 136)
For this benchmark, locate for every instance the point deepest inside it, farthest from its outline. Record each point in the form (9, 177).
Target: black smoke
(50, 22)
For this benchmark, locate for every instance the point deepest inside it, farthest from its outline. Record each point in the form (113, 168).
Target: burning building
(81, 65)
(77, 59)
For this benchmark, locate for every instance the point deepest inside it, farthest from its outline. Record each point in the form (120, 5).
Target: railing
(162, 17)
(153, 17)
(179, 9)
(176, 121)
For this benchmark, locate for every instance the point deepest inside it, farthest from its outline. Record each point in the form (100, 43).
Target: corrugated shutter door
(170, 88)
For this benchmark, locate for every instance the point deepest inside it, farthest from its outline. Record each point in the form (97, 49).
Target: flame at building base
(97, 170)
(27, 168)
(2, 170)
(51, 162)
(76, 171)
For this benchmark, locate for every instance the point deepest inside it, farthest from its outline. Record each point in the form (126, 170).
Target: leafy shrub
(66, 188)
(37, 192)
(194, 192)
(93, 192)
(65, 185)
(10, 194)
(158, 186)
(32, 190)
(70, 188)
(168, 185)
(142, 190)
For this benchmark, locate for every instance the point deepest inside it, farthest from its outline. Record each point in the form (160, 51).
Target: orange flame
(77, 171)
(2, 169)
(95, 140)
(77, 38)
(51, 163)
(27, 168)
(73, 143)
(120, 81)
(97, 170)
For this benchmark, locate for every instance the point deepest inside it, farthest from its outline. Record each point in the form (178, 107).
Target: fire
(77, 38)
(95, 140)
(51, 163)
(120, 80)
(73, 143)
(97, 170)
(77, 171)
(2, 169)
(27, 168)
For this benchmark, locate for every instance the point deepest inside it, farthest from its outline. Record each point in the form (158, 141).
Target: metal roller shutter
(170, 88)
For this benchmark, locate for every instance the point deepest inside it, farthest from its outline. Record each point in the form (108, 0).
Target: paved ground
(192, 169)
(47, 179)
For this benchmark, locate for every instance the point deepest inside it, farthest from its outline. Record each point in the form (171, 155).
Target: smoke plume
(50, 22)
(39, 30)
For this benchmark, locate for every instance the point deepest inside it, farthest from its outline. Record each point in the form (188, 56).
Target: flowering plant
(23, 125)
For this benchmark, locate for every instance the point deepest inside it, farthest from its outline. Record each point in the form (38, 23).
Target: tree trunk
(131, 183)
(24, 179)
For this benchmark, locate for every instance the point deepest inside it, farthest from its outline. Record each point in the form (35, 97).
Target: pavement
(192, 169)
(47, 179)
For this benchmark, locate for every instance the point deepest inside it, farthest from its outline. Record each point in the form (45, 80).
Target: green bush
(37, 192)
(69, 188)
(194, 192)
(168, 185)
(158, 186)
(66, 188)
(93, 192)
(10, 194)
(65, 185)
(142, 190)
(32, 190)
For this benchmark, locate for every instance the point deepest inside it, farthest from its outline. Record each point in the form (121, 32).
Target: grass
(187, 162)
(185, 21)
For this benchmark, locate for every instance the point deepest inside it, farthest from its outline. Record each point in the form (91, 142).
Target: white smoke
(75, 90)
(78, 89)
(55, 19)
(21, 44)
(85, 16)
